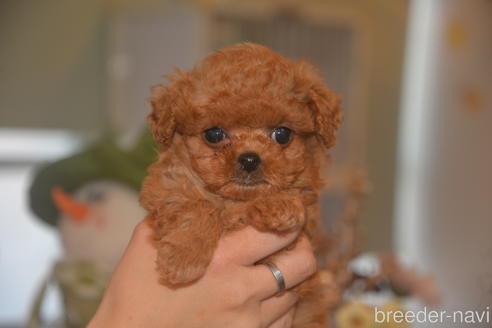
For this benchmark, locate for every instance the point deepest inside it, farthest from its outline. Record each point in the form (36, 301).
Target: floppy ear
(325, 106)
(323, 103)
(161, 120)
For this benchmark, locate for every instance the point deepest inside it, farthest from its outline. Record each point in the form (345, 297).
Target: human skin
(234, 292)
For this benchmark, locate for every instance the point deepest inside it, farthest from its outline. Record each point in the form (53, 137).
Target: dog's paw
(180, 265)
(281, 213)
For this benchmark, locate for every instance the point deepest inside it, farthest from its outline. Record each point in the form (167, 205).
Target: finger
(247, 246)
(284, 321)
(276, 307)
(296, 265)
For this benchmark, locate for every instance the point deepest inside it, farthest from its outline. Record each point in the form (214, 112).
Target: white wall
(52, 64)
(28, 247)
(444, 206)
(142, 47)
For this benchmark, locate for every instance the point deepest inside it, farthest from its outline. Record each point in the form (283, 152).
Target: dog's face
(248, 120)
(245, 149)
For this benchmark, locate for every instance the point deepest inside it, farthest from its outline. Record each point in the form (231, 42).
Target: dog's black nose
(249, 161)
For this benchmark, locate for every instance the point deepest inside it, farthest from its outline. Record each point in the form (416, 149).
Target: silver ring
(277, 274)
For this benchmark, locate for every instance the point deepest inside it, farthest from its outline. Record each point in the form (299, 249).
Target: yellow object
(355, 315)
(474, 100)
(390, 308)
(456, 34)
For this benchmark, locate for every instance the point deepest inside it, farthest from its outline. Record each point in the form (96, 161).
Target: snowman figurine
(97, 221)
(91, 198)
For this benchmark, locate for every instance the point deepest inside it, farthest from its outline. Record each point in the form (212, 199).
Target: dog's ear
(323, 102)
(162, 120)
(169, 101)
(327, 114)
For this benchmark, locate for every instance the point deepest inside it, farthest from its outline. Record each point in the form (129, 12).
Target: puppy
(243, 140)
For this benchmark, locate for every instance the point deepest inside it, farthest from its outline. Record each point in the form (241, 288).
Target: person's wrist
(107, 316)
(126, 315)
(98, 322)
(101, 320)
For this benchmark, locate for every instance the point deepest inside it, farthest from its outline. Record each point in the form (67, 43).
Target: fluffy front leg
(281, 212)
(186, 237)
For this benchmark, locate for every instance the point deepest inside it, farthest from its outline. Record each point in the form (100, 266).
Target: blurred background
(416, 81)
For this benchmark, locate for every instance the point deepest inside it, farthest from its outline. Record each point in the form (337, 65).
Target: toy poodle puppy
(243, 140)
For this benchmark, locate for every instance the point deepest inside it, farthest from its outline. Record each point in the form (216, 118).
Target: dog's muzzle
(249, 162)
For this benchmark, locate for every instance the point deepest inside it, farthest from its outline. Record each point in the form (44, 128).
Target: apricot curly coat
(196, 191)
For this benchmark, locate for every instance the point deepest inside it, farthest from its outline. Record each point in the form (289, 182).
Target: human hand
(234, 292)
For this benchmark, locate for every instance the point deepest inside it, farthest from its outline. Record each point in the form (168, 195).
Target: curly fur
(195, 192)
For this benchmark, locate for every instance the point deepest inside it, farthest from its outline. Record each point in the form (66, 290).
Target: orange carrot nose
(69, 206)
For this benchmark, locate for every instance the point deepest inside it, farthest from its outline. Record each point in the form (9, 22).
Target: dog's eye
(281, 135)
(214, 135)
